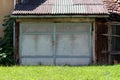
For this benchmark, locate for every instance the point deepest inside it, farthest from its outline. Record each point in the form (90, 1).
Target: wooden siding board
(109, 41)
(93, 42)
(101, 43)
(56, 20)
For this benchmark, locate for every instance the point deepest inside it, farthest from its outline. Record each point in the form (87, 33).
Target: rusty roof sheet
(62, 7)
(88, 2)
(113, 6)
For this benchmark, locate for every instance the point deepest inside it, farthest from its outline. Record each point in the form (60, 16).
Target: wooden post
(16, 54)
(93, 41)
(109, 41)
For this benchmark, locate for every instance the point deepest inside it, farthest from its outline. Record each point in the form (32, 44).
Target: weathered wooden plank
(101, 42)
(93, 42)
(55, 20)
(109, 41)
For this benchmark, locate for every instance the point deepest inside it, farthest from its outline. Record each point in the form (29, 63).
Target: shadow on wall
(29, 4)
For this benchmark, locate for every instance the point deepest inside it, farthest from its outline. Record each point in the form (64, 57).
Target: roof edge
(62, 16)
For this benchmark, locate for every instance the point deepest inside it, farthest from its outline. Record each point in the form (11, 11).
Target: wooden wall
(101, 42)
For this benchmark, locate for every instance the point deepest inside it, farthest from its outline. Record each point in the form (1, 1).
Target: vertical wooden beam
(93, 43)
(109, 41)
(16, 54)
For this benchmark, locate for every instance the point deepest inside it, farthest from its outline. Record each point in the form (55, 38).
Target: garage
(55, 43)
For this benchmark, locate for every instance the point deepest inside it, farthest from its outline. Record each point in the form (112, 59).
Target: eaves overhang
(62, 16)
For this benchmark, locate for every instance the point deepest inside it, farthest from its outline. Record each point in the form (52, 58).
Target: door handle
(53, 43)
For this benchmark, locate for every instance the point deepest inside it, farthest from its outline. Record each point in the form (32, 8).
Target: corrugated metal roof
(63, 2)
(97, 2)
(62, 7)
(79, 9)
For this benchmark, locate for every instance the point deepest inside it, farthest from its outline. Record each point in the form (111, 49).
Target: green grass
(60, 73)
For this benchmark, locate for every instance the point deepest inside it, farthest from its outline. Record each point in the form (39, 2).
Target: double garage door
(55, 43)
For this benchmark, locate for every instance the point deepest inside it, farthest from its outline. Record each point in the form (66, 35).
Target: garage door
(55, 43)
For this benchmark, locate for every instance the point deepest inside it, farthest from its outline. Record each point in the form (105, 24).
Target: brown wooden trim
(113, 23)
(63, 20)
(101, 42)
(109, 41)
(16, 55)
(93, 41)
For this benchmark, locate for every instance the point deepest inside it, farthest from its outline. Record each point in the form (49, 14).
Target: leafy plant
(6, 43)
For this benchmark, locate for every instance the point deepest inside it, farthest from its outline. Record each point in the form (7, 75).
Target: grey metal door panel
(73, 27)
(58, 43)
(37, 45)
(73, 45)
(73, 61)
(36, 49)
(36, 27)
(37, 61)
